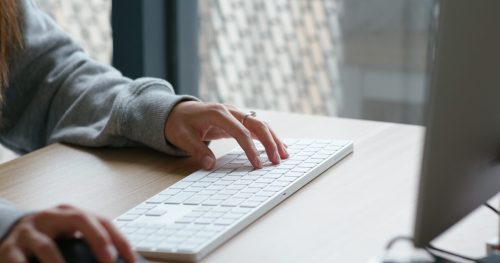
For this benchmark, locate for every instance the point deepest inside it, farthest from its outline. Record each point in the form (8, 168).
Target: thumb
(199, 150)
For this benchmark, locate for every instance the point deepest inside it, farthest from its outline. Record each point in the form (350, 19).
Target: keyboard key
(146, 245)
(146, 206)
(158, 199)
(258, 172)
(273, 188)
(258, 198)
(264, 180)
(220, 196)
(213, 215)
(257, 185)
(201, 209)
(187, 248)
(186, 232)
(213, 228)
(192, 189)
(240, 210)
(224, 170)
(242, 195)
(298, 169)
(250, 204)
(221, 209)
(179, 198)
(278, 183)
(145, 231)
(156, 212)
(212, 202)
(235, 187)
(196, 199)
(200, 184)
(194, 214)
(204, 220)
(170, 192)
(195, 177)
(223, 183)
(127, 217)
(250, 190)
(209, 179)
(207, 192)
(129, 230)
(176, 239)
(264, 193)
(243, 182)
(232, 202)
(194, 227)
(216, 175)
(227, 192)
(184, 220)
(168, 247)
(215, 187)
(231, 178)
(293, 174)
(224, 221)
(137, 211)
(180, 185)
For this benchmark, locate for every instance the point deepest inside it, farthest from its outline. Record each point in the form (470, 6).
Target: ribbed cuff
(145, 115)
(9, 215)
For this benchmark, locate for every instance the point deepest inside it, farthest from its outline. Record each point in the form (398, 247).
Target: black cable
(404, 238)
(431, 247)
(492, 208)
(396, 239)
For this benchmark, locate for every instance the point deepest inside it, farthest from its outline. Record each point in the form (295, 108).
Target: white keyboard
(194, 216)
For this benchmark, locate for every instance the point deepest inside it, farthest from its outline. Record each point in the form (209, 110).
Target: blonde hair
(10, 38)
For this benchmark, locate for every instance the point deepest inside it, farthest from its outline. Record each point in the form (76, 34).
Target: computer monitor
(461, 164)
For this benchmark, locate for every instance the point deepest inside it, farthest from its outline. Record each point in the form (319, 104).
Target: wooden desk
(345, 215)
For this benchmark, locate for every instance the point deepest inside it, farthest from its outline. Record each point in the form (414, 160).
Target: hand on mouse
(34, 235)
(192, 123)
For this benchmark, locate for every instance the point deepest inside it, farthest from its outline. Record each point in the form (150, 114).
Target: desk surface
(345, 215)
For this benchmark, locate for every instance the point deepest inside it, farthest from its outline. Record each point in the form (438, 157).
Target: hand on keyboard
(192, 123)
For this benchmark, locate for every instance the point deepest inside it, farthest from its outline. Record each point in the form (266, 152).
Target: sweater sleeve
(9, 215)
(58, 94)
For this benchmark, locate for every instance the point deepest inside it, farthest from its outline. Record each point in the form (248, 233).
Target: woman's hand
(192, 123)
(34, 235)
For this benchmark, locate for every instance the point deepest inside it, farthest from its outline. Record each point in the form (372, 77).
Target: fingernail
(286, 153)
(277, 157)
(111, 252)
(259, 163)
(208, 162)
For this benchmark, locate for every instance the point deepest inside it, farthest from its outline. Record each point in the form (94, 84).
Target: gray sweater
(57, 93)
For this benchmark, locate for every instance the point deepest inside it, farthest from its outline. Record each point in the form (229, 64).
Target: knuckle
(77, 217)
(43, 246)
(6, 247)
(217, 108)
(43, 215)
(65, 207)
(246, 134)
(104, 221)
(24, 230)
(261, 125)
(230, 106)
(101, 240)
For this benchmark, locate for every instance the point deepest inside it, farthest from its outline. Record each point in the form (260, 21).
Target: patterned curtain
(88, 22)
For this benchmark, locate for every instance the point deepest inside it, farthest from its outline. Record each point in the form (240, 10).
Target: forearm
(58, 94)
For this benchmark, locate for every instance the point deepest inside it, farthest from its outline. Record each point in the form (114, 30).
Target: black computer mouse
(77, 251)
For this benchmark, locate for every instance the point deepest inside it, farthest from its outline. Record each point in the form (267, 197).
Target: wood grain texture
(345, 215)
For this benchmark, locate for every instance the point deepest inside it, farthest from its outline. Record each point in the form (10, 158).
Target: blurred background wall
(349, 58)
